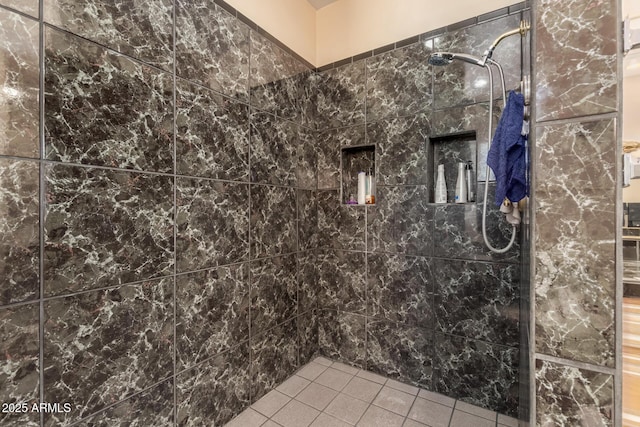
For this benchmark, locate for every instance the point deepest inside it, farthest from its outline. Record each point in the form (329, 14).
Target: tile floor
(331, 394)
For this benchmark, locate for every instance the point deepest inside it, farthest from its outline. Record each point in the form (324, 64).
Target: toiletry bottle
(469, 174)
(461, 185)
(361, 187)
(370, 189)
(441, 186)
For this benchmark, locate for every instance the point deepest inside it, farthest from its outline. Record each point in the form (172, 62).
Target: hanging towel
(508, 150)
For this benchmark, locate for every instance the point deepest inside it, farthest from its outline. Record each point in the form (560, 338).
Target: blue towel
(508, 150)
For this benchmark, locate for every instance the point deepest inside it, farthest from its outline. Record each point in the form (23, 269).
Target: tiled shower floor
(331, 394)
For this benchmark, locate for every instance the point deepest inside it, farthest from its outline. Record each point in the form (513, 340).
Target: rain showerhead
(445, 58)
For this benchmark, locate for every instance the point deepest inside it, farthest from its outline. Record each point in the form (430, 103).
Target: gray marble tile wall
(576, 174)
(158, 212)
(407, 288)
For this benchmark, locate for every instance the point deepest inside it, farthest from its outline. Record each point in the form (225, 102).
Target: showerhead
(445, 58)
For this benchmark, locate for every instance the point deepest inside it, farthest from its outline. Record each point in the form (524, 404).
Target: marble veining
(339, 226)
(277, 80)
(274, 292)
(212, 224)
(478, 300)
(399, 82)
(215, 391)
(401, 222)
(19, 365)
(86, 120)
(307, 161)
(307, 336)
(576, 63)
(274, 357)
(570, 396)
(401, 149)
(342, 336)
(212, 134)
(308, 271)
(153, 407)
(400, 289)
(477, 372)
(142, 29)
(19, 221)
(212, 47)
(575, 256)
(340, 96)
(328, 151)
(102, 346)
(341, 280)
(212, 312)
(308, 232)
(273, 225)
(105, 227)
(30, 7)
(401, 352)
(19, 76)
(274, 149)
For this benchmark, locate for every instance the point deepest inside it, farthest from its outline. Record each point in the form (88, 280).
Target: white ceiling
(319, 4)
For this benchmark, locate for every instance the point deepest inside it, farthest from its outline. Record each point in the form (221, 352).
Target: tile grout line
(175, 220)
(41, 201)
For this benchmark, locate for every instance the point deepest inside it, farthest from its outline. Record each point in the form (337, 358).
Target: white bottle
(461, 184)
(441, 186)
(361, 187)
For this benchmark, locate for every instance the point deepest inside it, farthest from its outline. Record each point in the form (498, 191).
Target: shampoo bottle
(441, 186)
(461, 184)
(469, 174)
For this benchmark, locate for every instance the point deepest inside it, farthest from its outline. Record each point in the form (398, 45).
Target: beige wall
(293, 22)
(349, 27)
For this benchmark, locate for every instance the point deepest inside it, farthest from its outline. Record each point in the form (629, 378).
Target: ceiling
(319, 4)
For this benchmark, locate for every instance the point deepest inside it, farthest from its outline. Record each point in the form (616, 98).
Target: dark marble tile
(212, 223)
(572, 396)
(472, 119)
(20, 75)
(491, 314)
(400, 289)
(342, 337)
(212, 134)
(401, 150)
(401, 352)
(476, 372)
(214, 392)
(19, 365)
(212, 47)
(212, 312)
(576, 60)
(308, 347)
(328, 149)
(462, 83)
(308, 273)
(308, 235)
(341, 280)
(105, 109)
(105, 227)
(274, 292)
(102, 346)
(277, 80)
(30, 7)
(153, 407)
(575, 245)
(143, 30)
(273, 220)
(457, 231)
(307, 161)
(340, 226)
(341, 96)
(19, 228)
(401, 221)
(274, 357)
(274, 149)
(399, 82)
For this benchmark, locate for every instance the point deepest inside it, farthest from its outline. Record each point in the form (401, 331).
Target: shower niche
(450, 150)
(354, 160)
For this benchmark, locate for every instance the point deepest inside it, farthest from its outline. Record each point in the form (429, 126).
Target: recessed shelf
(449, 150)
(355, 159)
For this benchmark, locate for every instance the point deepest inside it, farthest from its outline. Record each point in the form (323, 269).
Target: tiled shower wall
(577, 172)
(407, 288)
(153, 211)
